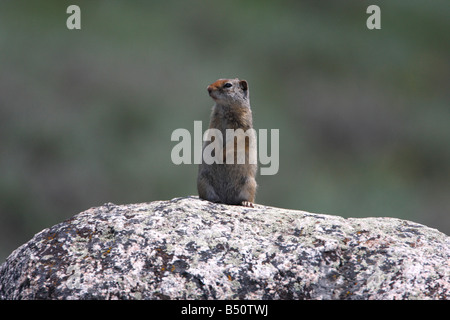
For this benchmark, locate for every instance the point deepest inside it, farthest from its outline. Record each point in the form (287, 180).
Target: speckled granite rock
(192, 249)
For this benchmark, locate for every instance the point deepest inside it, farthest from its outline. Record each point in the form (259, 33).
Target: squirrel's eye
(227, 85)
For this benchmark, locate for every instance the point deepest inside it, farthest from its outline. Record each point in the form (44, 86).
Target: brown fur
(229, 183)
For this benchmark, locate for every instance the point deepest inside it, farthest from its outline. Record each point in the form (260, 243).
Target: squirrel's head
(229, 91)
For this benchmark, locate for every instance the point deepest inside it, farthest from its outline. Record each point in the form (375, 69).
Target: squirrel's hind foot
(247, 204)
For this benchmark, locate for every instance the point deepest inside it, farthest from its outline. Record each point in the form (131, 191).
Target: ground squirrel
(224, 182)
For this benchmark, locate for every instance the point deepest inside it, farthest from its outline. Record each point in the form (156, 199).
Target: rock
(187, 248)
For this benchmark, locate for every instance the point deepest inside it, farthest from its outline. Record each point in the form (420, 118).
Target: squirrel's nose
(209, 89)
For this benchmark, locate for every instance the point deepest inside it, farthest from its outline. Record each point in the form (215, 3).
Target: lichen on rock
(188, 248)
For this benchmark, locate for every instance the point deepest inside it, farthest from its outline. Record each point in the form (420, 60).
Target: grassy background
(86, 116)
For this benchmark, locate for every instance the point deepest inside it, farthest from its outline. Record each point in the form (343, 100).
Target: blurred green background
(86, 116)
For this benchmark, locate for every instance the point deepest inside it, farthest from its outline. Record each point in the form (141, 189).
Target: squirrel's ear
(244, 85)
